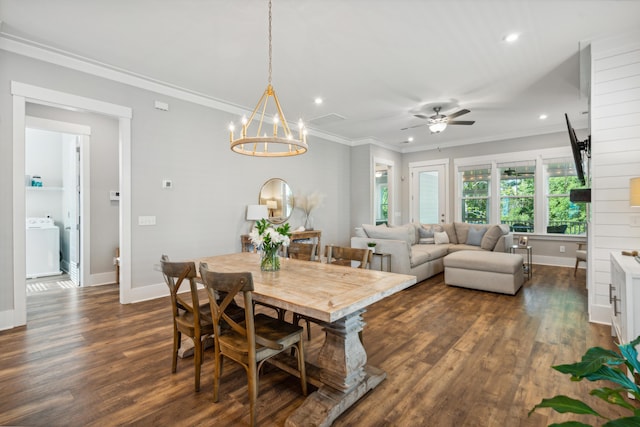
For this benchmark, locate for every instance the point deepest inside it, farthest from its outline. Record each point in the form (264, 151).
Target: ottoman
(484, 270)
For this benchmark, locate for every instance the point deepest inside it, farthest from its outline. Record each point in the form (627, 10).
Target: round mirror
(277, 196)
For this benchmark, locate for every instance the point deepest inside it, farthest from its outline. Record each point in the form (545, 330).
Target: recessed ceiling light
(410, 139)
(318, 101)
(543, 116)
(511, 38)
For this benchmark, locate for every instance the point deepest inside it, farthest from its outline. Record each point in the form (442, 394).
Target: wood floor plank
(453, 357)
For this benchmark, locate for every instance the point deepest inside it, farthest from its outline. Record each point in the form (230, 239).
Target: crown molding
(45, 53)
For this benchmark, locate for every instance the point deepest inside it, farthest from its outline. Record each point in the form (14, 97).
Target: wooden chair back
(189, 317)
(302, 251)
(175, 274)
(341, 255)
(251, 342)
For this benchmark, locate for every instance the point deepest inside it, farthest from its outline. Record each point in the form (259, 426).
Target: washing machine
(43, 248)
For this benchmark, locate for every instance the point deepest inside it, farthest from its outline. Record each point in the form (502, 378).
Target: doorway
(22, 94)
(429, 192)
(62, 150)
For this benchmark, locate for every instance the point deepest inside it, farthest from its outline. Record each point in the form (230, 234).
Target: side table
(528, 266)
(382, 257)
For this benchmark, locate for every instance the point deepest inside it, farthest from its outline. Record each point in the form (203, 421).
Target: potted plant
(372, 246)
(601, 364)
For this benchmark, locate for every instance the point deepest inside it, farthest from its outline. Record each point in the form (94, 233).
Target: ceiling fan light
(437, 127)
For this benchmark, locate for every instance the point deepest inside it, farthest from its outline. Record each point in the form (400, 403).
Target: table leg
(343, 372)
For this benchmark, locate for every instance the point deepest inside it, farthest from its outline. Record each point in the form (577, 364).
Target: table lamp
(256, 212)
(272, 205)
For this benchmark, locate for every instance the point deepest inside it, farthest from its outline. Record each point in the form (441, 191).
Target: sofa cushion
(369, 227)
(485, 261)
(427, 241)
(491, 237)
(404, 233)
(462, 230)
(359, 232)
(462, 247)
(475, 235)
(423, 253)
(441, 237)
(451, 232)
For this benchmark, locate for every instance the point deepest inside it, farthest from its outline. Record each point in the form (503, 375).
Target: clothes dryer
(43, 248)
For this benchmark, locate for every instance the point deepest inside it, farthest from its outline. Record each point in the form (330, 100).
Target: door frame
(22, 94)
(83, 133)
(414, 167)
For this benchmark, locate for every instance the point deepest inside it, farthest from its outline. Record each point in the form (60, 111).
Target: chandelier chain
(270, 49)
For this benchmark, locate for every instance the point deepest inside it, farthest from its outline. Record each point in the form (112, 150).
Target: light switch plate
(146, 220)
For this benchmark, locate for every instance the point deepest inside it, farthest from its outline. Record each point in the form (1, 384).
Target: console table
(247, 246)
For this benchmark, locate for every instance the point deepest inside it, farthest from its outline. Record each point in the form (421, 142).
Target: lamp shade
(634, 192)
(256, 212)
(272, 204)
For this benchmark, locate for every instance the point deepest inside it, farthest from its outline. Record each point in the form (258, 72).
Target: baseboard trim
(6, 320)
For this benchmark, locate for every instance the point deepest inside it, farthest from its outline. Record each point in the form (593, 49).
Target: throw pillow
(424, 233)
(427, 241)
(440, 237)
(474, 237)
(491, 237)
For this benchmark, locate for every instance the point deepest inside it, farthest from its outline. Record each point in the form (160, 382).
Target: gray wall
(203, 214)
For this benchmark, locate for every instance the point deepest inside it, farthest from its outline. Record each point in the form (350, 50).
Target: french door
(429, 198)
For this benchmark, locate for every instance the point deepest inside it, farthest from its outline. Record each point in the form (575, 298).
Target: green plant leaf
(592, 360)
(630, 353)
(613, 396)
(570, 424)
(565, 404)
(615, 375)
(624, 422)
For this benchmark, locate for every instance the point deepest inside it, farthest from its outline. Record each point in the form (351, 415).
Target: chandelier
(267, 142)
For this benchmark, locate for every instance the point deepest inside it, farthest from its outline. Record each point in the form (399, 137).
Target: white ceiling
(374, 62)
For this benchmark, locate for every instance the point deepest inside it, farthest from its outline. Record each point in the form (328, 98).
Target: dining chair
(302, 251)
(250, 342)
(189, 317)
(581, 256)
(341, 255)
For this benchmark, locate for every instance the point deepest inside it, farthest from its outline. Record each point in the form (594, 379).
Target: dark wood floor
(454, 357)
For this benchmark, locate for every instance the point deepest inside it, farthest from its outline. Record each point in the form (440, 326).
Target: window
(382, 197)
(563, 217)
(517, 195)
(475, 184)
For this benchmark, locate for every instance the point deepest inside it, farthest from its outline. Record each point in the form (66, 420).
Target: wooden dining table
(336, 297)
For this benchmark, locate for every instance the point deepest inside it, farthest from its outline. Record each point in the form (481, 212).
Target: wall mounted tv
(580, 149)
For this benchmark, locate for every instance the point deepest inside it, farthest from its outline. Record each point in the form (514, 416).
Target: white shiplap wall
(615, 147)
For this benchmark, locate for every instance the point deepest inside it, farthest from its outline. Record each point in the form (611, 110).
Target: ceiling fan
(439, 122)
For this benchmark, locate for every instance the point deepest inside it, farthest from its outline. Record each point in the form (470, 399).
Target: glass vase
(270, 260)
(308, 222)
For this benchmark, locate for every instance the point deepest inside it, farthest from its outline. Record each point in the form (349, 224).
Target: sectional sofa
(419, 249)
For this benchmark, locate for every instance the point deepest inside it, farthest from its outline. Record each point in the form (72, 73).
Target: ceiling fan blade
(416, 126)
(421, 116)
(461, 122)
(458, 113)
